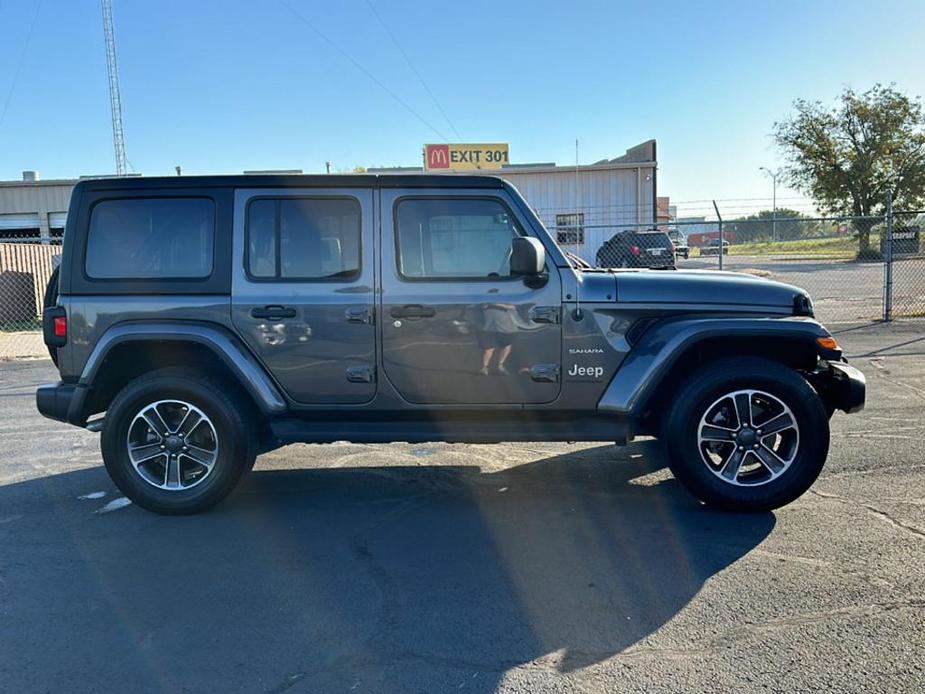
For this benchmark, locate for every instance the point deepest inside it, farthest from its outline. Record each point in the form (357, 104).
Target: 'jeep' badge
(585, 373)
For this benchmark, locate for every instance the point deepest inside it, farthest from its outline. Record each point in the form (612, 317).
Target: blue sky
(220, 87)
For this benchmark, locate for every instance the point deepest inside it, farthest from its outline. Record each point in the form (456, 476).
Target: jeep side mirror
(528, 257)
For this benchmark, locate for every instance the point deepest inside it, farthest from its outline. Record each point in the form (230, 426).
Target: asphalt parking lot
(434, 568)
(843, 291)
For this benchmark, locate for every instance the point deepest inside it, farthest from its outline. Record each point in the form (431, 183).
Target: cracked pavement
(435, 567)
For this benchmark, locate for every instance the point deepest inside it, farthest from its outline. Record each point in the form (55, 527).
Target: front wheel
(746, 434)
(175, 442)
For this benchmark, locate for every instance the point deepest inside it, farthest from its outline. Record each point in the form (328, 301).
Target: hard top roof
(294, 181)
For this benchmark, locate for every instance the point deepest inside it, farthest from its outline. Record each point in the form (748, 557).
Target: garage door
(19, 221)
(57, 220)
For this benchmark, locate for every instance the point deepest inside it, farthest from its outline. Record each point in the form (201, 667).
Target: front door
(457, 328)
(303, 290)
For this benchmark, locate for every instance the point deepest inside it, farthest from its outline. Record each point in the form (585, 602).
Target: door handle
(413, 311)
(273, 312)
(545, 314)
(358, 314)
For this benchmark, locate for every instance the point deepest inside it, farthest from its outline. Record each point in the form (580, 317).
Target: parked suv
(649, 249)
(198, 322)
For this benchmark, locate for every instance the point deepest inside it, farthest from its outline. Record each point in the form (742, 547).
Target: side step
(293, 430)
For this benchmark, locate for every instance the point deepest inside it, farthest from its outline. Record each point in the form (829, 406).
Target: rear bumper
(62, 402)
(845, 387)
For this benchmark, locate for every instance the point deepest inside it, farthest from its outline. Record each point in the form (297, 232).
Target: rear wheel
(746, 434)
(175, 442)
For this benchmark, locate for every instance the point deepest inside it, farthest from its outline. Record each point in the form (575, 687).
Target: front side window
(454, 238)
(303, 238)
(151, 238)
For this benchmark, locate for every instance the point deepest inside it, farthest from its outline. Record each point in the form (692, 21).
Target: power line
(362, 69)
(22, 59)
(413, 68)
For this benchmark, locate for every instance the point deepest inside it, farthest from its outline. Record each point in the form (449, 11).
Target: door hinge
(545, 373)
(545, 314)
(361, 374)
(358, 314)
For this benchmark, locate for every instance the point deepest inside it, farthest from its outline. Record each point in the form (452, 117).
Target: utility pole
(773, 175)
(115, 100)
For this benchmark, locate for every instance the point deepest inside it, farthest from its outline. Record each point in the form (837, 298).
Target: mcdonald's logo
(438, 156)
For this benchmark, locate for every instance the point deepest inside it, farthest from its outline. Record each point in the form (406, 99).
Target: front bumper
(62, 402)
(844, 387)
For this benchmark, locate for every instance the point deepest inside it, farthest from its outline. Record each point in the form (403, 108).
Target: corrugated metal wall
(607, 197)
(44, 199)
(30, 197)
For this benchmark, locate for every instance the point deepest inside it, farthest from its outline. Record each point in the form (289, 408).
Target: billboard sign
(465, 157)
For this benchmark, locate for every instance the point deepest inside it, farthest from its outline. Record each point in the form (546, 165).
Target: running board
(293, 430)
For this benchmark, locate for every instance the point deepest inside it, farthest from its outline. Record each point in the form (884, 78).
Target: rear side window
(303, 239)
(454, 238)
(151, 238)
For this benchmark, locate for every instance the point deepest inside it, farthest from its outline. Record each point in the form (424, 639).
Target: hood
(703, 287)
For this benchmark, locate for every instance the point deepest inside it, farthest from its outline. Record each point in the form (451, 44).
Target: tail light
(54, 326)
(635, 250)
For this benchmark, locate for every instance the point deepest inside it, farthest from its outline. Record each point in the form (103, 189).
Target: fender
(663, 344)
(219, 340)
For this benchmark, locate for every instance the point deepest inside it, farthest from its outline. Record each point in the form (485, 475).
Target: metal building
(33, 208)
(584, 205)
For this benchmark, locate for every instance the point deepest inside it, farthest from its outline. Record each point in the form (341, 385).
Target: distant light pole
(773, 175)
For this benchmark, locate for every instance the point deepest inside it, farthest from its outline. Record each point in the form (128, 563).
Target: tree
(849, 156)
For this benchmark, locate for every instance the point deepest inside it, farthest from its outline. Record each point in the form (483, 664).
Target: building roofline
(293, 181)
(515, 169)
(40, 183)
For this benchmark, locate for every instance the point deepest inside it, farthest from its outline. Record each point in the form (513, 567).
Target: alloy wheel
(172, 445)
(748, 437)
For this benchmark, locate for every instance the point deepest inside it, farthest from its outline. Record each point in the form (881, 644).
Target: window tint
(456, 238)
(162, 238)
(261, 238)
(303, 238)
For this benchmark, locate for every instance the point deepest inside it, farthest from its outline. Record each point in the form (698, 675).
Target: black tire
(227, 411)
(681, 423)
(50, 299)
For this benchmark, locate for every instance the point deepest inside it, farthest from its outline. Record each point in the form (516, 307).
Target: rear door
(457, 328)
(302, 290)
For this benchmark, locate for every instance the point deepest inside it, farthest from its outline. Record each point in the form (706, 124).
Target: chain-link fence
(26, 265)
(847, 264)
(904, 270)
(843, 262)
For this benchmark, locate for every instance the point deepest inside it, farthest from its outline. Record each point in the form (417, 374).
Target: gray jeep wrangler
(200, 321)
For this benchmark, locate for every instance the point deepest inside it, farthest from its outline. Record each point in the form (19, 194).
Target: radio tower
(115, 101)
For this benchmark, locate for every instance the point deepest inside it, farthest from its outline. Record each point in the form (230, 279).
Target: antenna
(579, 276)
(115, 100)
